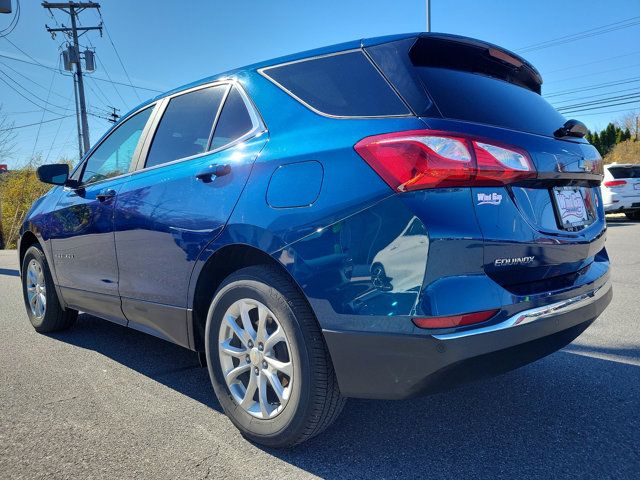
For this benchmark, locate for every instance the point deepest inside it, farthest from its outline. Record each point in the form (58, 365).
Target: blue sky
(165, 44)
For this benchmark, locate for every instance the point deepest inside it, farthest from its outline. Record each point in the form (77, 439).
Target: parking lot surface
(103, 401)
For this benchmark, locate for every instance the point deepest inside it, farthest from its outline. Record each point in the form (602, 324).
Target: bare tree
(7, 144)
(632, 122)
(7, 137)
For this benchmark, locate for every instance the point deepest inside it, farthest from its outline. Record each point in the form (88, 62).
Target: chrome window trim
(534, 314)
(159, 106)
(225, 95)
(263, 72)
(258, 125)
(134, 160)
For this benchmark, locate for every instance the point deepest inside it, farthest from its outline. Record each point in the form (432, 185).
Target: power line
(22, 95)
(598, 102)
(25, 53)
(30, 79)
(596, 86)
(102, 97)
(46, 104)
(590, 63)
(118, 56)
(113, 84)
(14, 22)
(55, 137)
(602, 106)
(106, 71)
(635, 65)
(625, 90)
(607, 112)
(592, 32)
(32, 93)
(8, 57)
(36, 123)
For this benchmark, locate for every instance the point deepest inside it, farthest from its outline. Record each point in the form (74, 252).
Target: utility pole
(75, 95)
(428, 15)
(73, 9)
(113, 116)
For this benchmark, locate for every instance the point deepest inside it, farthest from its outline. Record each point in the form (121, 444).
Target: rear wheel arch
(28, 239)
(217, 268)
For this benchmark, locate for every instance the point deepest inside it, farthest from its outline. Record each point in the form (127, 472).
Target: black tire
(55, 317)
(635, 215)
(315, 400)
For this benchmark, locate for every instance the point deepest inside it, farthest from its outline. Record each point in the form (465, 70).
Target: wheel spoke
(284, 367)
(227, 348)
(274, 338)
(232, 376)
(38, 306)
(239, 332)
(262, 322)
(262, 396)
(249, 392)
(276, 385)
(246, 321)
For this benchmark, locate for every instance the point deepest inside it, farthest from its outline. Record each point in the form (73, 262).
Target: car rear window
(478, 98)
(345, 84)
(625, 172)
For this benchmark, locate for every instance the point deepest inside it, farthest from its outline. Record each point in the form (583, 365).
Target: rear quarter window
(345, 84)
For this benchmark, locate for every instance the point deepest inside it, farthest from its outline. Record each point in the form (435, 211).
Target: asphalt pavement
(103, 401)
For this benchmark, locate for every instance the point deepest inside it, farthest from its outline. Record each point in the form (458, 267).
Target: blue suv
(377, 219)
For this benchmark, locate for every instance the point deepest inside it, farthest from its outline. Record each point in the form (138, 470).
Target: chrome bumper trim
(534, 314)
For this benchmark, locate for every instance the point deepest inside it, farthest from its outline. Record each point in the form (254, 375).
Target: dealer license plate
(571, 207)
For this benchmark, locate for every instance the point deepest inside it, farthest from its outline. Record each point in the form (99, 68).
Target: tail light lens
(615, 183)
(420, 159)
(454, 320)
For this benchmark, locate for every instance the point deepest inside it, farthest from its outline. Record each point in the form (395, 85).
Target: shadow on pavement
(10, 272)
(164, 362)
(619, 221)
(564, 416)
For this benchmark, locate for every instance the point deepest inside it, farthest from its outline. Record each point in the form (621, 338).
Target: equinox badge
(503, 262)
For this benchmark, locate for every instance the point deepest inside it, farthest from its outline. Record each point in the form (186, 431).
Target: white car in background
(392, 269)
(621, 189)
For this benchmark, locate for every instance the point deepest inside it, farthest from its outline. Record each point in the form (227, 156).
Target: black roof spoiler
(469, 54)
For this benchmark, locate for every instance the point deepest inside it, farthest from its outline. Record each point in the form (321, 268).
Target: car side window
(234, 122)
(113, 156)
(185, 128)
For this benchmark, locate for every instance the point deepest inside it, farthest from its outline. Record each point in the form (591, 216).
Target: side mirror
(55, 173)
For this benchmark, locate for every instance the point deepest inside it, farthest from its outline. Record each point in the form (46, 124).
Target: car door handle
(106, 194)
(211, 171)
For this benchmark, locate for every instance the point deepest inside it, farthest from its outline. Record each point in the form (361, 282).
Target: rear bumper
(620, 203)
(396, 366)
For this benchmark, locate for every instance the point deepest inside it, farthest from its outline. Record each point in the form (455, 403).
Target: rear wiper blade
(571, 128)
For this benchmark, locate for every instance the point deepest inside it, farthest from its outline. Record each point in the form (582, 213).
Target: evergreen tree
(596, 142)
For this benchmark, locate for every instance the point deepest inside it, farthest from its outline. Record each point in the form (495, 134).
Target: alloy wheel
(36, 289)
(255, 358)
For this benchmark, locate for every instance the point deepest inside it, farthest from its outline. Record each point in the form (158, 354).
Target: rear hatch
(626, 180)
(544, 227)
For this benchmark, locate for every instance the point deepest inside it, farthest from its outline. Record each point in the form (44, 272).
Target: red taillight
(615, 183)
(454, 320)
(420, 159)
